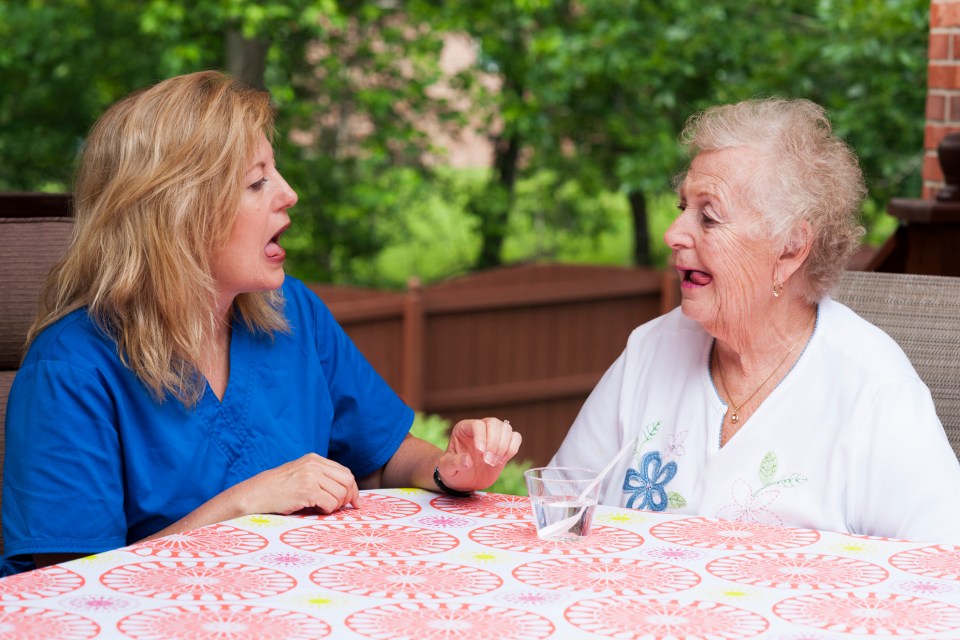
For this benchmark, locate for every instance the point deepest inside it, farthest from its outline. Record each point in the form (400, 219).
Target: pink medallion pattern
(223, 622)
(30, 623)
(169, 580)
(288, 559)
(622, 576)
(42, 583)
(106, 602)
(374, 507)
(491, 506)
(633, 617)
(729, 534)
(443, 521)
(871, 614)
(363, 540)
(413, 565)
(674, 554)
(443, 621)
(215, 541)
(406, 579)
(797, 571)
(938, 561)
(530, 598)
(522, 537)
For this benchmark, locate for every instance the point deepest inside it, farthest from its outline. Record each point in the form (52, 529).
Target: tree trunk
(246, 58)
(641, 230)
(494, 214)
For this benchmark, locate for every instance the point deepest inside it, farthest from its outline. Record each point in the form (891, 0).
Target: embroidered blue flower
(647, 483)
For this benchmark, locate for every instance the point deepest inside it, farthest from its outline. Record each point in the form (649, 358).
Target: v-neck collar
(237, 390)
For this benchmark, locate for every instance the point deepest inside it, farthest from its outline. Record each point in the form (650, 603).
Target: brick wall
(943, 87)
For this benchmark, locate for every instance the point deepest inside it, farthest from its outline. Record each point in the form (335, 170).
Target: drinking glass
(561, 509)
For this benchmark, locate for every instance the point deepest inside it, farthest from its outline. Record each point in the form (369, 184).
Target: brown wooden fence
(525, 343)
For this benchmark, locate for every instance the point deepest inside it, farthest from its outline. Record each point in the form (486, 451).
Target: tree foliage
(597, 91)
(588, 97)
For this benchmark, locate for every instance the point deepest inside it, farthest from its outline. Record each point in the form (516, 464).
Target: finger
(342, 494)
(498, 440)
(453, 464)
(515, 440)
(491, 438)
(475, 430)
(330, 484)
(327, 502)
(354, 496)
(334, 470)
(504, 434)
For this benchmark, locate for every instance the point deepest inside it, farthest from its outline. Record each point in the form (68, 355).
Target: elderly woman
(760, 399)
(175, 377)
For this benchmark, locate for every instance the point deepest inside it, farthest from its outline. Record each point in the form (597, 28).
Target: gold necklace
(734, 418)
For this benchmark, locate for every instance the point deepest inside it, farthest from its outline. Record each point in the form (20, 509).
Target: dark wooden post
(413, 345)
(928, 239)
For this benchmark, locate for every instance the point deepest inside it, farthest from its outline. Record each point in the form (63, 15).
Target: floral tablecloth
(413, 564)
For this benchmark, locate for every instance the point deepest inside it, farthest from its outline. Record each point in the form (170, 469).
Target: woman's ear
(796, 250)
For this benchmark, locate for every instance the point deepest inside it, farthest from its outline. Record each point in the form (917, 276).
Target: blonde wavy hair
(808, 174)
(158, 187)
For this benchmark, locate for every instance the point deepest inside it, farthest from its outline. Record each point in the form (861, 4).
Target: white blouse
(848, 441)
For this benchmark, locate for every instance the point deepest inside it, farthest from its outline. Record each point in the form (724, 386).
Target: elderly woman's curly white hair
(808, 174)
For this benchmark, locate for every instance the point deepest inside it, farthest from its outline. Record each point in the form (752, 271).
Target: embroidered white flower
(750, 506)
(674, 448)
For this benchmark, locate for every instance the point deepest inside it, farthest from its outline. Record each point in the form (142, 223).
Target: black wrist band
(447, 490)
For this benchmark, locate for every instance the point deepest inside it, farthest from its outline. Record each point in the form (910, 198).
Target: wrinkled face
(252, 258)
(725, 262)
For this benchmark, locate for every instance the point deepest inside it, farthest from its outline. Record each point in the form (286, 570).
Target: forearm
(412, 465)
(223, 506)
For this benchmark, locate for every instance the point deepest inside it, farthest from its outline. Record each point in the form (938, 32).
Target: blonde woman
(175, 377)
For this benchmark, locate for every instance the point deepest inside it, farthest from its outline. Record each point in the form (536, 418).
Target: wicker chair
(922, 313)
(34, 231)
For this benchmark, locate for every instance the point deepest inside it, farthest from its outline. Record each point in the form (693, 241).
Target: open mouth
(273, 248)
(694, 277)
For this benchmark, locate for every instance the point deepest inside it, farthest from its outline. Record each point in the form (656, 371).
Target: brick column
(943, 88)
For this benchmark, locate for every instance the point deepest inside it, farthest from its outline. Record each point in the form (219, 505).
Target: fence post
(413, 351)
(669, 291)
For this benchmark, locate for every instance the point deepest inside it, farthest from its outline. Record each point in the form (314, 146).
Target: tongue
(274, 250)
(699, 277)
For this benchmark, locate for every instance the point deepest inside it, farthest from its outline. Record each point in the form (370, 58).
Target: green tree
(596, 92)
(590, 97)
(505, 33)
(61, 64)
(351, 81)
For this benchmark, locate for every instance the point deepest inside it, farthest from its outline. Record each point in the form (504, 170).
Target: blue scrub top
(94, 463)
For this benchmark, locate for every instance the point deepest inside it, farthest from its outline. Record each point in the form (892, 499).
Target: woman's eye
(258, 185)
(682, 206)
(707, 220)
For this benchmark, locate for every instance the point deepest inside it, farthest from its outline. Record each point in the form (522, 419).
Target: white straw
(550, 530)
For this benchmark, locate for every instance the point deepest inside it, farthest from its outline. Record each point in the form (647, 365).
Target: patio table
(418, 565)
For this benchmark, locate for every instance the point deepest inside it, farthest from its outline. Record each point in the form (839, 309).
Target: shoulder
(73, 339)
(296, 292)
(848, 338)
(302, 306)
(671, 335)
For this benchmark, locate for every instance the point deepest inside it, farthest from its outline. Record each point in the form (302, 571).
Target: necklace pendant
(734, 418)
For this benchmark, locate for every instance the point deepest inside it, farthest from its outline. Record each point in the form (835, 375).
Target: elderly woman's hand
(309, 482)
(477, 451)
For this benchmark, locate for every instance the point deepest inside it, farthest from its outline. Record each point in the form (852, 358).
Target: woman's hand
(309, 482)
(477, 451)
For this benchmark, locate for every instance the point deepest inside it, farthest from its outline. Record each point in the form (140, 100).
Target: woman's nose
(677, 235)
(288, 196)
